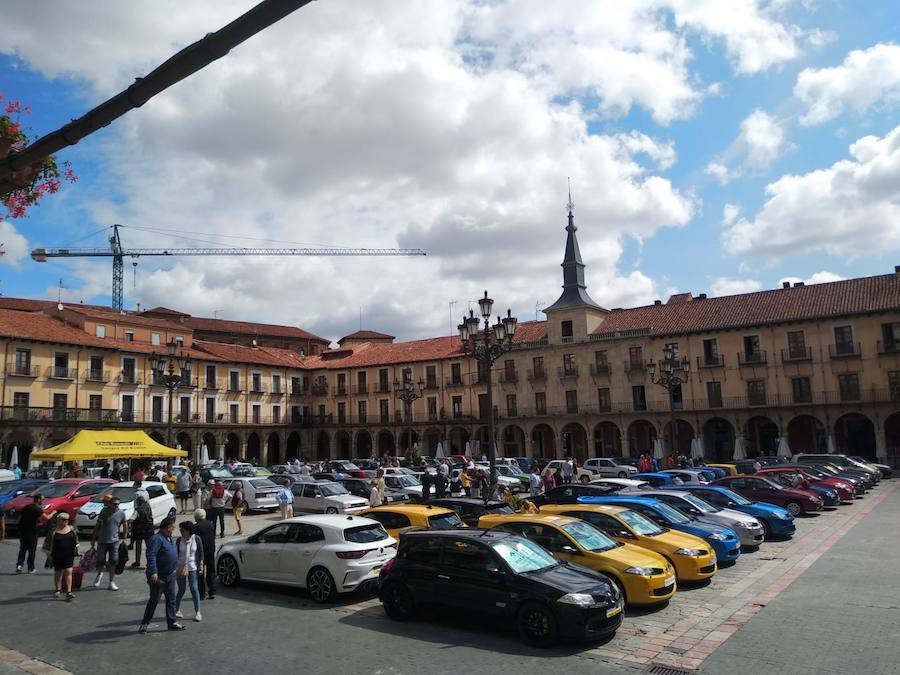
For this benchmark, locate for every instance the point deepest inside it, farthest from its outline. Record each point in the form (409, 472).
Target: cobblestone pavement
(694, 625)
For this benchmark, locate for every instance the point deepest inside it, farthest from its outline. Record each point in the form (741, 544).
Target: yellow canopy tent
(107, 444)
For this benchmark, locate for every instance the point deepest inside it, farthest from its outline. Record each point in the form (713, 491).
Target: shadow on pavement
(101, 637)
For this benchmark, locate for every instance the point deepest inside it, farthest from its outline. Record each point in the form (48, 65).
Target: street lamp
(164, 367)
(408, 391)
(673, 372)
(486, 345)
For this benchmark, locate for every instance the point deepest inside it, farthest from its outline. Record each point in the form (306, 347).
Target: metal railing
(96, 375)
(61, 373)
(600, 369)
(27, 370)
(211, 384)
(888, 348)
(635, 366)
(842, 350)
(537, 375)
(567, 372)
(752, 358)
(319, 388)
(455, 382)
(129, 379)
(361, 389)
(710, 361)
(509, 376)
(796, 354)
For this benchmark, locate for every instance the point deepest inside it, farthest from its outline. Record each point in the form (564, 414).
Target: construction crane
(118, 254)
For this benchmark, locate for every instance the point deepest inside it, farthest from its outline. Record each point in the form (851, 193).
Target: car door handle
(307, 553)
(443, 576)
(275, 553)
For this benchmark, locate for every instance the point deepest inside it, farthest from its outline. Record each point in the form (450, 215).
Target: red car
(67, 494)
(843, 488)
(760, 489)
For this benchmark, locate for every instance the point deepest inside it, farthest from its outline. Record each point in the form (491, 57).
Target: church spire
(574, 289)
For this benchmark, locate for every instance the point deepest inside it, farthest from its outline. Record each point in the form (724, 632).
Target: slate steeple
(574, 289)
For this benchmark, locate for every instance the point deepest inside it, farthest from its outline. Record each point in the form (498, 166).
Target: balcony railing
(319, 388)
(383, 388)
(361, 389)
(257, 388)
(796, 354)
(234, 386)
(454, 382)
(567, 339)
(752, 358)
(188, 383)
(635, 366)
(129, 379)
(509, 376)
(710, 361)
(888, 347)
(48, 415)
(16, 370)
(211, 384)
(537, 375)
(600, 369)
(340, 391)
(277, 391)
(431, 383)
(96, 375)
(61, 373)
(567, 372)
(843, 350)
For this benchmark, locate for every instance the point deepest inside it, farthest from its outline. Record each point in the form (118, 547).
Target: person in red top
(139, 475)
(670, 461)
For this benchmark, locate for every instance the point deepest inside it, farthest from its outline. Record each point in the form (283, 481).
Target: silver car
(325, 496)
(748, 528)
(605, 466)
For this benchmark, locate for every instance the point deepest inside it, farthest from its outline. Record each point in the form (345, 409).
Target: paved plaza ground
(823, 602)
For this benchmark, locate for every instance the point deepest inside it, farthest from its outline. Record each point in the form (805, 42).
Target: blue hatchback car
(658, 480)
(719, 473)
(777, 521)
(724, 541)
(15, 488)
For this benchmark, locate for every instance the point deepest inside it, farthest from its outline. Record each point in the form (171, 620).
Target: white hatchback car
(623, 484)
(259, 493)
(162, 503)
(325, 554)
(582, 475)
(606, 466)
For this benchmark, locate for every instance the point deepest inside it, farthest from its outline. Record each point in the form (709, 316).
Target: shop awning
(107, 444)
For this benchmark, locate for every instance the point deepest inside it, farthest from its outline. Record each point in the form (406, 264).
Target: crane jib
(42, 254)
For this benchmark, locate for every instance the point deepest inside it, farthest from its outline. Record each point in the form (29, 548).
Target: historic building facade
(818, 365)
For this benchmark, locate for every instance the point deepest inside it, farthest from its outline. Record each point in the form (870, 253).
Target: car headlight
(692, 552)
(748, 524)
(718, 536)
(579, 599)
(643, 571)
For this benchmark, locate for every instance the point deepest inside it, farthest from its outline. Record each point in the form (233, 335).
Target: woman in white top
(190, 567)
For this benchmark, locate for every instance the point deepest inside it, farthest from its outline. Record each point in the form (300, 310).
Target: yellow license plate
(613, 611)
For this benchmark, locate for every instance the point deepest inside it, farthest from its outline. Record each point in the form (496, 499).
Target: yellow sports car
(691, 556)
(398, 517)
(644, 577)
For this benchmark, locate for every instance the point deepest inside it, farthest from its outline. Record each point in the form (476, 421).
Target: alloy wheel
(320, 585)
(398, 602)
(795, 508)
(227, 571)
(537, 625)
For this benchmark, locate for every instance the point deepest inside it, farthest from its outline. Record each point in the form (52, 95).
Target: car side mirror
(730, 503)
(570, 550)
(624, 533)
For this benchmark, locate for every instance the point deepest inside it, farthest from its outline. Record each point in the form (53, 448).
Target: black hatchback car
(471, 509)
(502, 574)
(570, 492)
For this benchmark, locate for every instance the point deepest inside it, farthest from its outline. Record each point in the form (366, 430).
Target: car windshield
(346, 466)
(408, 481)
(639, 523)
(12, 487)
(523, 555)
(815, 473)
(333, 489)
(218, 472)
(52, 490)
(499, 508)
(740, 500)
(504, 470)
(263, 484)
(365, 534)
(445, 520)
(123, 494)
(700, 505)
(674, 516)
(588, 536)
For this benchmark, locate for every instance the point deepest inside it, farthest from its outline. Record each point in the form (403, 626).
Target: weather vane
(570, 205)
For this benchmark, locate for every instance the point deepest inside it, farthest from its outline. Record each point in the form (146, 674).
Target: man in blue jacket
(162, 571)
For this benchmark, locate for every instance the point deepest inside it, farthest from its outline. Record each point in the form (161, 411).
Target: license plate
(613, 611)
(669, 581)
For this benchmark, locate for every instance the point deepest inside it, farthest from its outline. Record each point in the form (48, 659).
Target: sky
(717, 147)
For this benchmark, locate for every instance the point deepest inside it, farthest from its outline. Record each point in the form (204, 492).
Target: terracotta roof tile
(367, 335)
(248, 328)
(112, 315)
(269, 356)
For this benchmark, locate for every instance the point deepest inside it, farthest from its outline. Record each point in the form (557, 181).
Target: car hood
(633, 556)
(704, 528)
(677, 539)
(734, 516)
(344, 498)
(574, 579)
(797, 493)
(761, 509)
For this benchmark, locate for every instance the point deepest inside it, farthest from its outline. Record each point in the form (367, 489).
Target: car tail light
(388, 565)
(259, 495)
(353, 555)
(396, 544)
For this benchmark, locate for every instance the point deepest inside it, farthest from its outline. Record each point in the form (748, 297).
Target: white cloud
(763, 138)
(866, 78)
(822, 277)
(728, 286)
(720, 172)
(850, 208)
(15, 246)
(730, 212)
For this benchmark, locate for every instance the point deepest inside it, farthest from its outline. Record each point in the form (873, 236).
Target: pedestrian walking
(426, 486)
(62, 549)
(548, 481)
(534, 481)
(206, 582)
(28, 529)
(141, 528)
(558, 478)
(237, 507)
(474, 483)
(217, 499)
(190, 567)
(110, 523)
(285, 498)
(183, 489)
(197, 490)
(455, 483)
(440, 484)
(568, 470)
(162, 570)
(465, 481)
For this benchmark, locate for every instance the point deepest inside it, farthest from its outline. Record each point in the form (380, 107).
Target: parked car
(776, 521)
(729, 469)
(692, 558)
(398, 517)
(284, 478)
(886, 471)
(243, 470)
(524, 463)
(214, 472)
(622, 484)
(607, 466)
(582, 475)
(843, 462)
(689, 476)
(162, 503)
(362, 487)
(771, 460)
(470, 509)
(259, 493)
(66, 494)
(496, 573)
(405, 483)
(284, 468)
(755, 489)
(868, 480)
(657, 479)
(367, 464)
(326, 554)
(14, 488)
(724, 541)
(6, 476)
(832, 492)
(643, 577)
(715, 471)
(748, 528)
(513, 473)
(569, 493)
(343, 466)
(324, 496)
(857, 484)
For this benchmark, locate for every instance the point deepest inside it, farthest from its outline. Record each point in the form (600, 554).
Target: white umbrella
(696, 448)
(784, 450)
(439, 452)
(14, 458)
(658, 452)
(831, 449)
(739, 451)
(204, 455)
(468, 449)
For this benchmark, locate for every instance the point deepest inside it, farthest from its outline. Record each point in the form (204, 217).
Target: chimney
(657, 302)
(897, 271)
(785, 284)
(702, 296)
(799, 283)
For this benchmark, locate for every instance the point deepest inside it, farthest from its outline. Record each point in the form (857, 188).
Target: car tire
(536, 625)
(767, 531)
(584, 480)
(246, 506)
(398, 602)
(172, 512)
(228, 571)
(623, 474)
(331, 510)
(320, 585)
(795, 508)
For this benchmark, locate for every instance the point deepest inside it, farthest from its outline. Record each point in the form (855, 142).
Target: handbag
(182, 570)
(123, 558)
(89, 560)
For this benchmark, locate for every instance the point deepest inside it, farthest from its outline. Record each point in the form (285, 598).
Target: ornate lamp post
(673, 372)
(486, 345)
(164, 367)
(408, 391)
